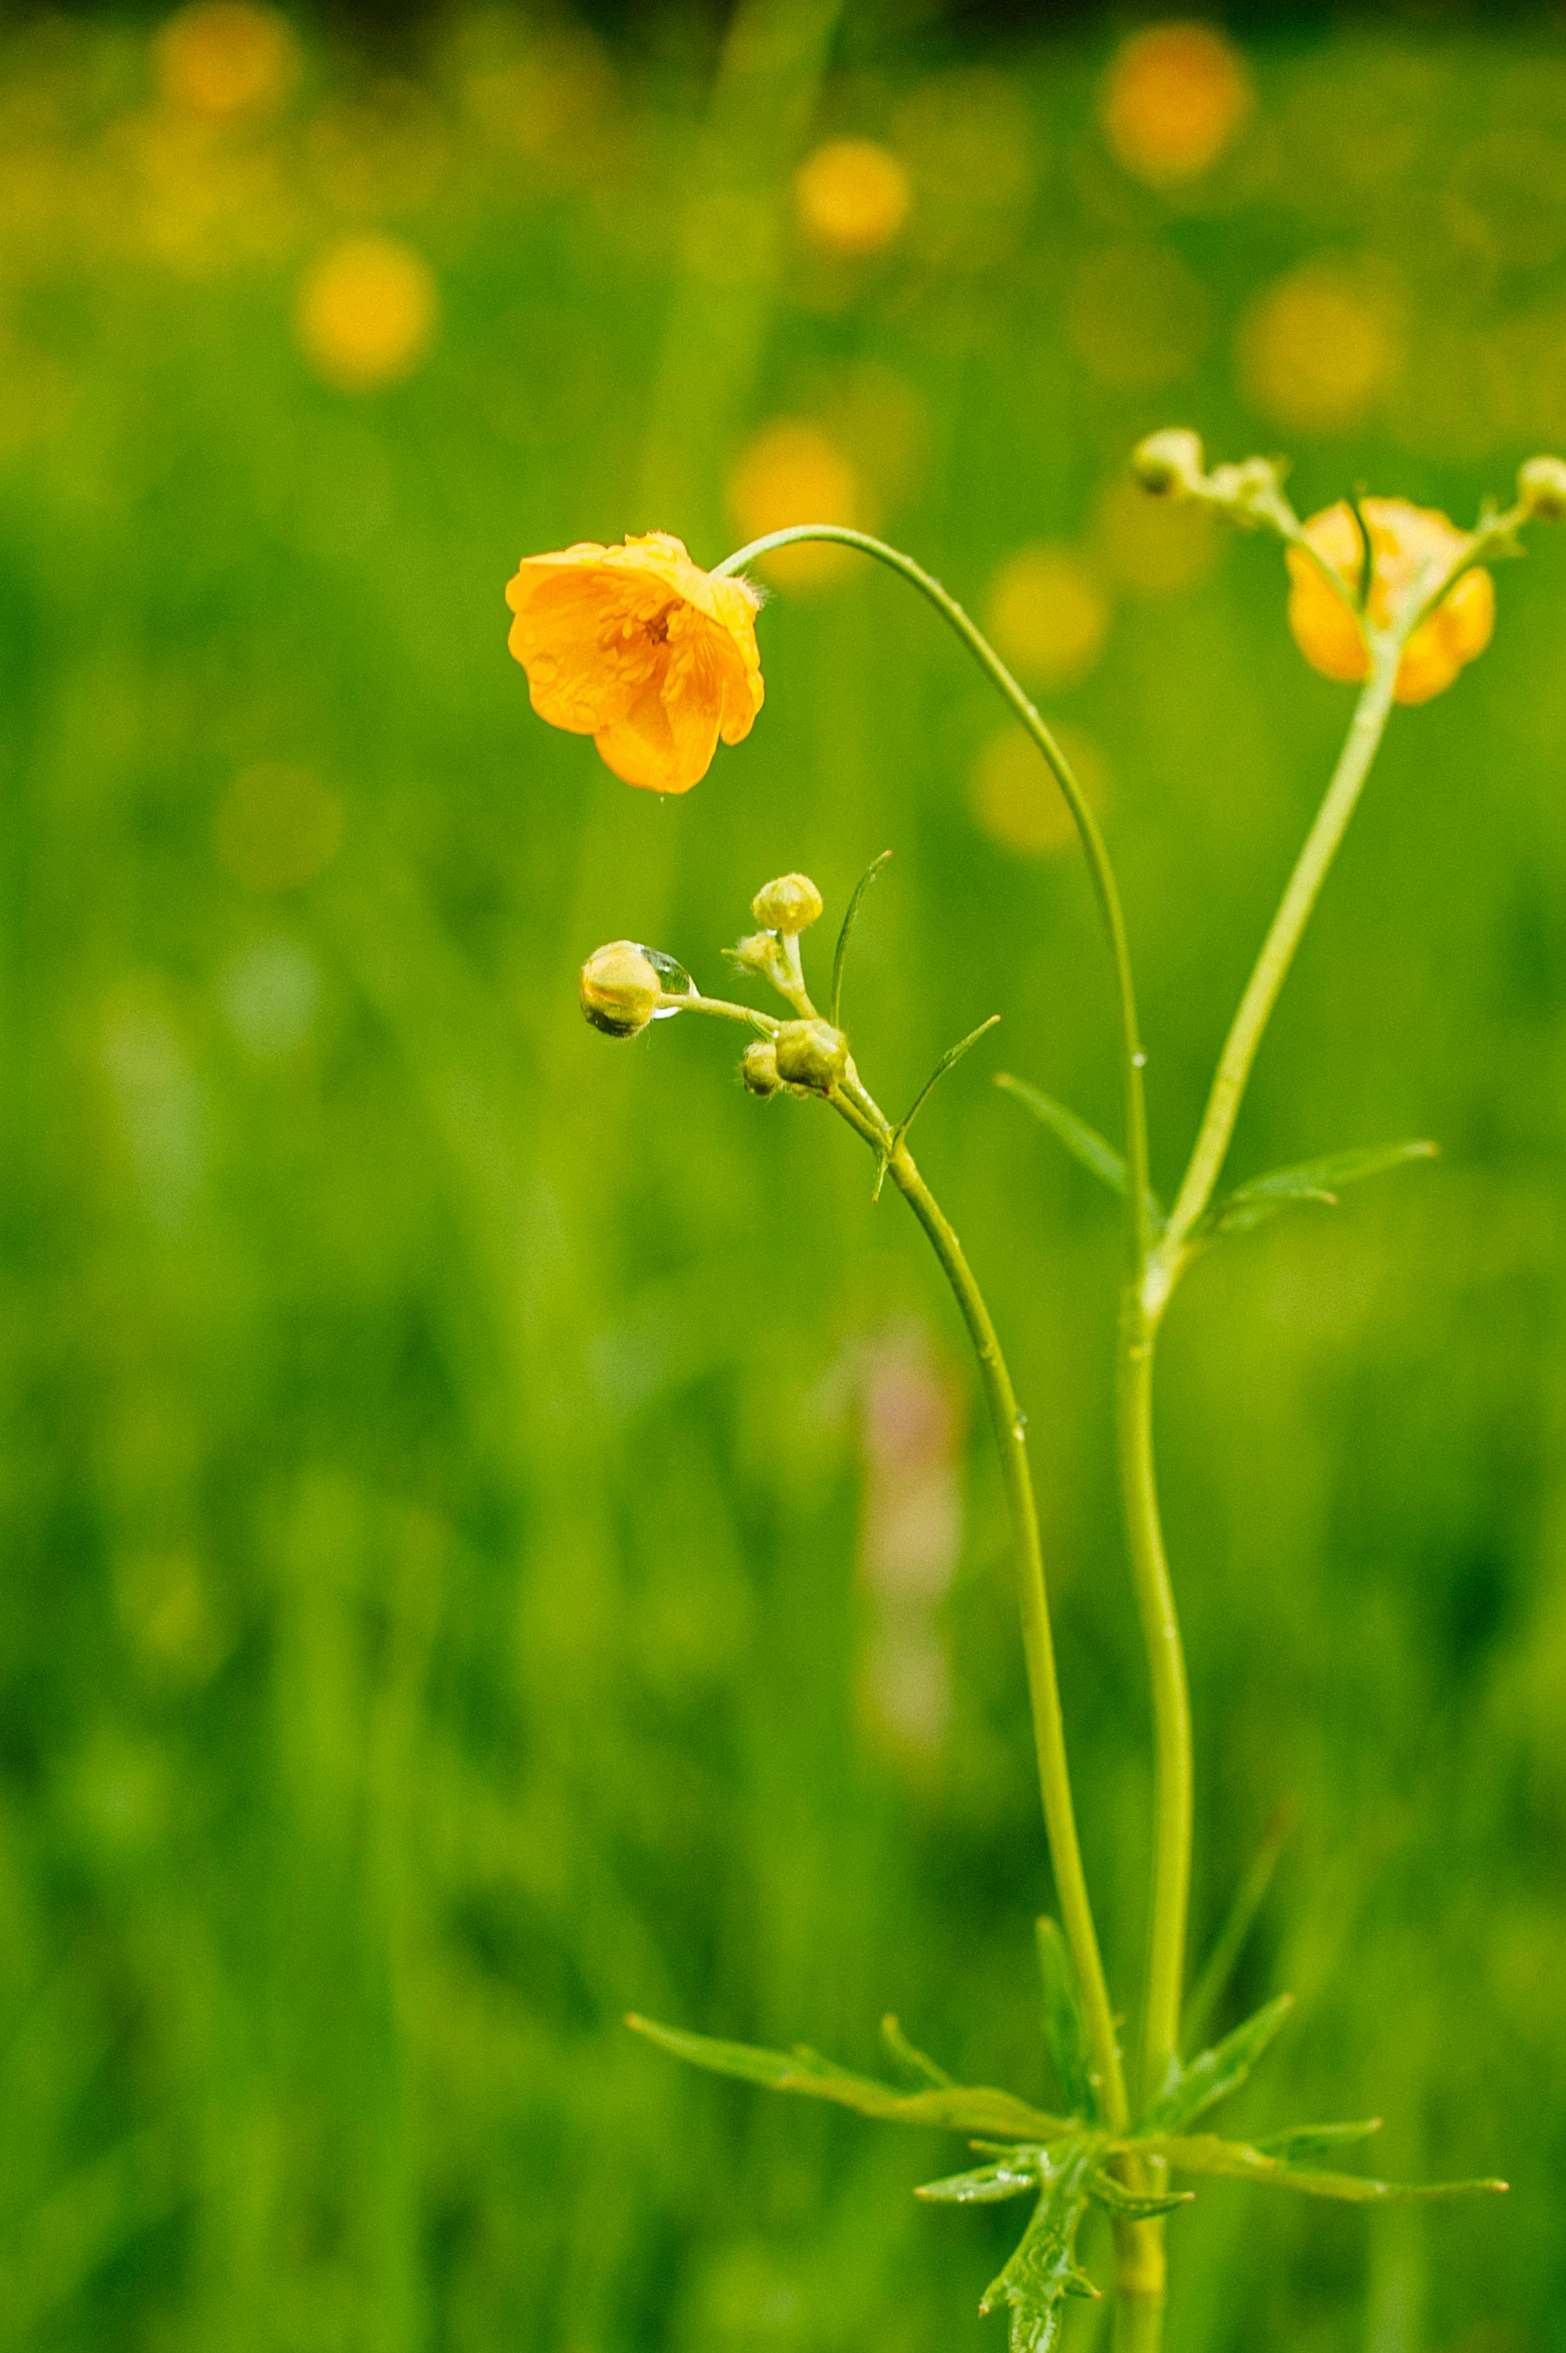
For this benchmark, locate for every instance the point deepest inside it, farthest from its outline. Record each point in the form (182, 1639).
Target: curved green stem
(1049, 1731)
(1100, 872)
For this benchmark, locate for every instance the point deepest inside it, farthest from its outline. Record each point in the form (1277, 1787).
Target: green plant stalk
(1139, 2246)
(1172, 1825)
(1361, 744)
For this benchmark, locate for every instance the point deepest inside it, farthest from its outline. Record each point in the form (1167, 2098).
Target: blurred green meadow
(496, 1531)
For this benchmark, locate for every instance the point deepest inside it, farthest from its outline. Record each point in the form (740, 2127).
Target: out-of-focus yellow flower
(222, 59)
(851, 196)
(1176, 97)
(792, 472)
(639, 648)
(1317, 350)
(1017, 802)
(1048, 615)
(1404, 539)
(367, 313)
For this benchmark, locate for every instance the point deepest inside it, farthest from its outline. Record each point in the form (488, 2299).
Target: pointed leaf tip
(1216, 2073)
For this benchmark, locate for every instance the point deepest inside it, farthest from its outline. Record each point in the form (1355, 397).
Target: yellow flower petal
(1404, 541)
(641, 649)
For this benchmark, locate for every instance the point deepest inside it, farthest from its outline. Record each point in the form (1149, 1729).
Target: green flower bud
(1541, 489)
(759, 1068)
(791, 904)
(757, 952)
(620, 988)
(811, 1054)
(1169, 464)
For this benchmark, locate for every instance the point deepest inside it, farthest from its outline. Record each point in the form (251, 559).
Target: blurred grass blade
(1065, 2030)
(840, 953)
(1316, 2140)
(1104, 2188)
(949, 1061)
(988, 2185)
(1250, 1205)
(1249, 1897)
(1207, 2153)
(1216, 2073)
(966, 2108)
(917, 2061)
(1084, 1143)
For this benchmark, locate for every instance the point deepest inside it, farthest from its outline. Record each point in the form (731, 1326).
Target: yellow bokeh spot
(1318, 349)
(1016, 800)
(793, 472)
(222, 59)
(1176, 97)
(852, 196)
(276, 828)
(1154, 546)
(1048, 614)
(367, 313)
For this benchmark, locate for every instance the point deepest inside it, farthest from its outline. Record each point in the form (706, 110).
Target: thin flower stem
(1277, 954)
(1100, 872)
(1139, 2246)
(1049, 1730)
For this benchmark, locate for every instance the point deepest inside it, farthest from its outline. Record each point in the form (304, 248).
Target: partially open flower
(639, 648)
(620, 988)
(1406, 544)
(791, 904)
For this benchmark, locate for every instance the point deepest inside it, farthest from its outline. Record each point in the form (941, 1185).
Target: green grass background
(430, 1490)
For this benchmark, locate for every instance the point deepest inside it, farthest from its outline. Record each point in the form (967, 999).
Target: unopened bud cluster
(1541, 489)
(1170, 465)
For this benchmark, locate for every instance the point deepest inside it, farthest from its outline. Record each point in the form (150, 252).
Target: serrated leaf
(1316, 2140)
(1216, 2073)
(965, 2108)
(1250, 1205)
(1107, 2191)
(1044, 2271)
(1208, 2153)
(1065, 2029)
(987, 2185)
(917, 2061)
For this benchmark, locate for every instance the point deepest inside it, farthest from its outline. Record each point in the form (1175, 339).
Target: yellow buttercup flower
(639, 648)
(1404, 540)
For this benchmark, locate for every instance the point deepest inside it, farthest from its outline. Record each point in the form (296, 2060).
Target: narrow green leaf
(1207, 2153)
(840, 955)
(1111, 2193)
(1250, 1205)
(1316, 2140)
(1044, 2271)
(949, 1061)
(987, 2185)
(912, 2058)
(1216, 2073)
(1084, 1143)
(1065, 2029)
(965, 2108)
(1249, 1897)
